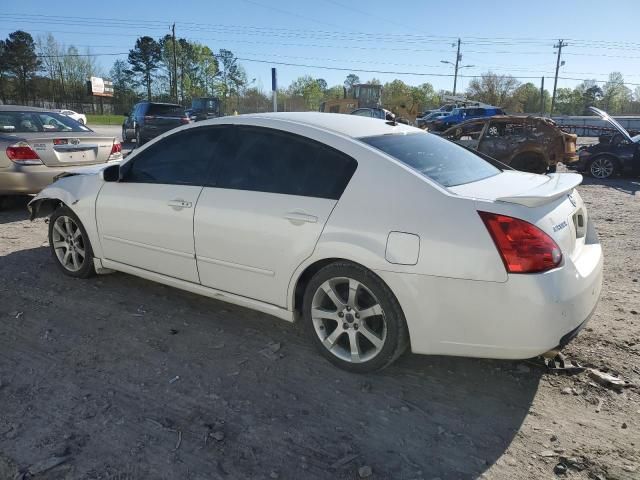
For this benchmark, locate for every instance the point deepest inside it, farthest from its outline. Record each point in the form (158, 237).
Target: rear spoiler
(558, 185)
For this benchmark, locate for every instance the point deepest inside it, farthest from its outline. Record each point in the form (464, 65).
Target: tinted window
(183, 158)
(436, 158)
(269, 160)
(168, 110)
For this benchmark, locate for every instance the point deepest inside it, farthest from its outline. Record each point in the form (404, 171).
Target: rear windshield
(168, 110)
(37, 122)
(440, 160)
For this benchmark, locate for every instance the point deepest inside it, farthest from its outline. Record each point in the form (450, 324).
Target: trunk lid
(566, 222)
(528, 189)
(77, 148)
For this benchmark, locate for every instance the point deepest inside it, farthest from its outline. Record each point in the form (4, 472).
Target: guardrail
(591, 126)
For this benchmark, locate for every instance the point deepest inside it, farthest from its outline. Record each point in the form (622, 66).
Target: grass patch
(105, 119)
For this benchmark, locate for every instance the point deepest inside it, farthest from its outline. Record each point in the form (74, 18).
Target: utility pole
(561, 43)
(175, 63)
(274, 88)
(542, 97)
(455, 75)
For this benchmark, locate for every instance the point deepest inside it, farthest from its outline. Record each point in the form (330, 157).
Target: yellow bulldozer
(361, 95)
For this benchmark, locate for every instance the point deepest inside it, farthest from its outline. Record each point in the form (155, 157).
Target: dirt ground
(119, 378)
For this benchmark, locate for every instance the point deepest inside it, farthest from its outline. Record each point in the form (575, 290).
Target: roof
(345, 124)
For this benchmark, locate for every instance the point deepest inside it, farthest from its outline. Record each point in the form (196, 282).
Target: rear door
(146, 219)
(271, 195)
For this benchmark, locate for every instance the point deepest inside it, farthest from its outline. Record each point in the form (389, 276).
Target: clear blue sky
(410, 36)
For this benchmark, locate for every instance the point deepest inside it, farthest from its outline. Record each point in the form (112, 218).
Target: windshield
(440, 160)
(26, 122)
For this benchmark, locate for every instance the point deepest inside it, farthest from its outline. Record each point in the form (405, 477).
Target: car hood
(607, 118)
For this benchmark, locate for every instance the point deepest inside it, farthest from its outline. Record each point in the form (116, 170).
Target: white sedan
(379, 236)
(78, 117)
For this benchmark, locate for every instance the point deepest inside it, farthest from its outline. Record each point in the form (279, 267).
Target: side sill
(263, 307)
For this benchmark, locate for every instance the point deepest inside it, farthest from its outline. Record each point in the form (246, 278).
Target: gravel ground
(119, 378)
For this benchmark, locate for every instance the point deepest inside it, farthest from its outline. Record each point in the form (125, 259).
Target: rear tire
(139, 140)
(70, 244)
(603, 167)
(125, 139)
(358, 325)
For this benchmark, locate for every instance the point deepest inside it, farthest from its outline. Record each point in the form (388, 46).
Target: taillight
(23, 154)
(184, 120)
(116, 148)
(524, 248)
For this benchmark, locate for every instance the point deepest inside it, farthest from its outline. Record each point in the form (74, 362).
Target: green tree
(232, 77)
(335, 92)
(144, 59)
(351, 80)
(21, 60)
(124, 91)
(310, 89)
(527, 99)
(493, 89)
(4, 71)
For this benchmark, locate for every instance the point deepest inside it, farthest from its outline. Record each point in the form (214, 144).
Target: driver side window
(183, 158)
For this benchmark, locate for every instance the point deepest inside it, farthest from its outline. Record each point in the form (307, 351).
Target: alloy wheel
(349, 320)
(602, 167)
(68, 243)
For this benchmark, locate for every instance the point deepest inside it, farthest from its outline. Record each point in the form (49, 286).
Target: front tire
(70, 244)
(603, 167)
(353, 318)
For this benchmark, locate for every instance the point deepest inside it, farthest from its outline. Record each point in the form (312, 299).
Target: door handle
(298, 218)
(179, 203)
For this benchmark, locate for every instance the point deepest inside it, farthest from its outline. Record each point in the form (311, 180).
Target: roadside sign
(100, 87)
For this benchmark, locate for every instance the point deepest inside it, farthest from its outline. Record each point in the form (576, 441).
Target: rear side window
(183, 158)
(440, 160)
(268, 160)
(168, 110)
(32, 122)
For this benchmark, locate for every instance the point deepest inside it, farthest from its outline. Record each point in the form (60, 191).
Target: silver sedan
(37, 144)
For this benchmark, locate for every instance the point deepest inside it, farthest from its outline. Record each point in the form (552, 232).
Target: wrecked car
(527, 143)
(613, 154)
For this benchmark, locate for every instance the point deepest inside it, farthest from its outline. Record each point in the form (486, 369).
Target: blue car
(460, 115)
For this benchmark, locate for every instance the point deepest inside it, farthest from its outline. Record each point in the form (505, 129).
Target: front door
(272, 194)
(146, 219)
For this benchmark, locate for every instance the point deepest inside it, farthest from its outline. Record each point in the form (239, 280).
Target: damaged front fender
(45, 203)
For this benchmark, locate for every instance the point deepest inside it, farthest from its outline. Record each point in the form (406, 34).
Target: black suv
(150, 119)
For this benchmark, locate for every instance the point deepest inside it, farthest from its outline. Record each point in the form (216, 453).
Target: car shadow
(627, 185)
(129, 363)
(14, 208)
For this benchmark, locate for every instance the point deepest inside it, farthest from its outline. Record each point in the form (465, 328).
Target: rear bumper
(29, 179)
(523, 317)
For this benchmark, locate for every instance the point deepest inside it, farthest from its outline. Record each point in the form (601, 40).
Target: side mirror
(111, 173)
